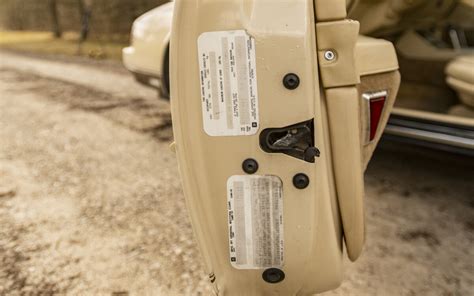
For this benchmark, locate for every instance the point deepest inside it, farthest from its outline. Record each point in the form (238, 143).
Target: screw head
(301, 181)
(329, 55)
(291, 81)
(273, 275)
(250, 166)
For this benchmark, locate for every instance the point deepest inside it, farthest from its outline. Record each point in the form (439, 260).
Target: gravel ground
(90, 201)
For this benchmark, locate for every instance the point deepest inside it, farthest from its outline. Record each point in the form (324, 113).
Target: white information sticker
(255, 208)
(228, 73)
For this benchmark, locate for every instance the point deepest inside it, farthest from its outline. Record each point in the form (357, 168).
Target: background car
(148, 55)
(435, 47)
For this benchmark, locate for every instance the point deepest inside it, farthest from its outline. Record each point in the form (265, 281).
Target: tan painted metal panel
(285, 42)
(313, 246)
(329, 10)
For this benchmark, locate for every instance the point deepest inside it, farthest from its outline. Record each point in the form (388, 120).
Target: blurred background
(58, 26)
(90, 197)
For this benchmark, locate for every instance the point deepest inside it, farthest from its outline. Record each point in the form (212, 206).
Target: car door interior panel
(271, 120)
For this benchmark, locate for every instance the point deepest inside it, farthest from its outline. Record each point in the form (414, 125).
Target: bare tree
(85, 10)
(56, 26)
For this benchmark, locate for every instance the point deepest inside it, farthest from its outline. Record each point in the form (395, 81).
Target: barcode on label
(255, 208)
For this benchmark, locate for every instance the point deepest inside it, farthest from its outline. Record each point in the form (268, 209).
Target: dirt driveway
(90, 200)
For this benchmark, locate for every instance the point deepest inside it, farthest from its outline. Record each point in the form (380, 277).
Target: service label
(255, 221)
(228, 73)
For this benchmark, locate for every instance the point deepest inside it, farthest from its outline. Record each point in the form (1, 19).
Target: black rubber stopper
(291, 81)
(273, 275)
(250, 166)
(301, 181)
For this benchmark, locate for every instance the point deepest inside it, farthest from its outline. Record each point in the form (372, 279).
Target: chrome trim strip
(375, 95)
(430, 136)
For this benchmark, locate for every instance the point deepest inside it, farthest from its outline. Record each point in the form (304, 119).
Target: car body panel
(149, 41)
(206, 166)
(319, 218)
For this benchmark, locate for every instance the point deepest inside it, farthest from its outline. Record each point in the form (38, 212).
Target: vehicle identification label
(228, 73)
(255, 213)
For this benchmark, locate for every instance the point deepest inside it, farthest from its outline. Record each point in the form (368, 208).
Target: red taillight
(376, 109)
(375, 103)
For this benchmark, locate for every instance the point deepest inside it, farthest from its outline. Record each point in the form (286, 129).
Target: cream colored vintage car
(434, 42)
(148, 56)
(277, 109)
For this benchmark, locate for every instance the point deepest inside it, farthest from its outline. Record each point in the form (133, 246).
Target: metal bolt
(291, 81)
(273, 275)
(250, 166)
(301, 181)
(329, 55)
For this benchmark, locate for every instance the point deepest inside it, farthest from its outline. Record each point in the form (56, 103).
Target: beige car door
(277, 107)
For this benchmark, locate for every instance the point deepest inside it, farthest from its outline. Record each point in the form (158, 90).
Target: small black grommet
(301, 181)
(273, 275)
(291, 81)
(250, 166)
